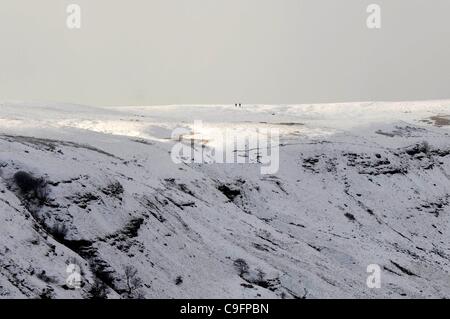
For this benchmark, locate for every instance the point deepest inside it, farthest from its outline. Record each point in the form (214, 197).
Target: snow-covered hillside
(358, 184)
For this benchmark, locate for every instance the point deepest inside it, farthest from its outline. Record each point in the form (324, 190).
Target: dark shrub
(47, 293)
(114, 189)
(241, 266)
(102, 271)
(28, 184)
(59, 231)
(350, 216)
(98, 290)
(133, 283)
(25, 181)
(178, 280)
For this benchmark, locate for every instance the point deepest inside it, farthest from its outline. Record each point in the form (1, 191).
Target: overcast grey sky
(139, 52)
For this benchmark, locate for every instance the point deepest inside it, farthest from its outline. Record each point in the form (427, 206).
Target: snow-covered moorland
(358, 184)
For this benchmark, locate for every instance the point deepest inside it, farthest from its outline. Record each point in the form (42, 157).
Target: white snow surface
(358, 184)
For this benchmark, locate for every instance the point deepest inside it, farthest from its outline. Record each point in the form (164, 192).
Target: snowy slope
(359, 184)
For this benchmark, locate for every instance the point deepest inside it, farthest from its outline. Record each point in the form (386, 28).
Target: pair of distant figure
(238, 105)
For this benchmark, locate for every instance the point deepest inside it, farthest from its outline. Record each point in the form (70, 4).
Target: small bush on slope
(241, 266)
(133, 283)
(59, 231)
(29, 185)
(98, 290)
(178, 280)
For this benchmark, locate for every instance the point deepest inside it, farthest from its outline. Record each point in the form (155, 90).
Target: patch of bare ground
(438, 120)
